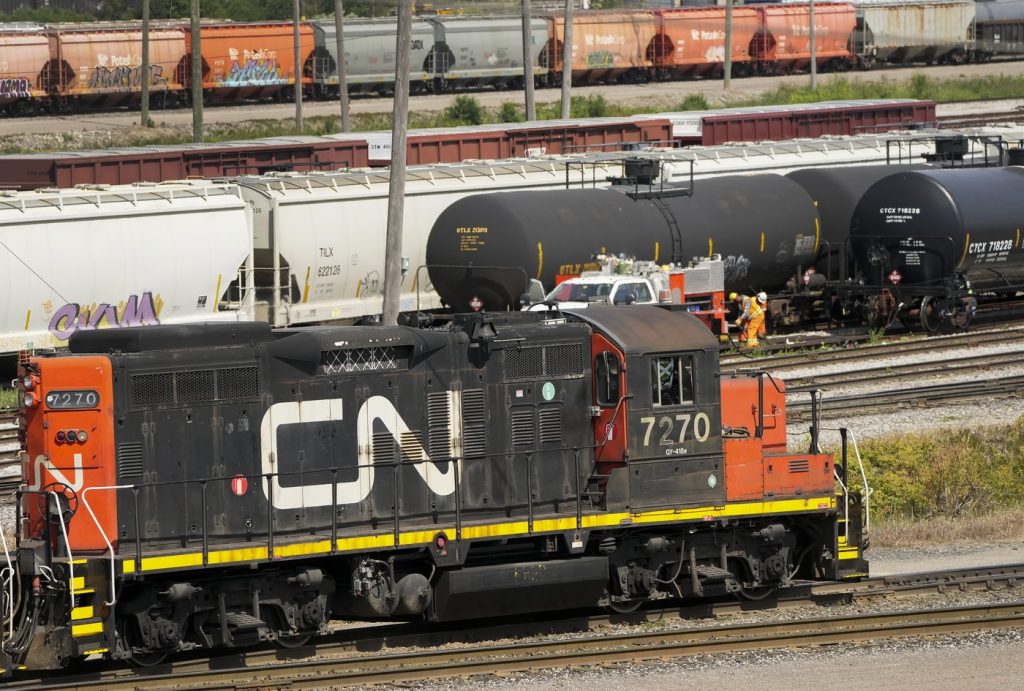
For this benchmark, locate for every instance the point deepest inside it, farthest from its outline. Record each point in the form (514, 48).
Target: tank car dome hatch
(137, 339)
(921, 227)
(483, 249)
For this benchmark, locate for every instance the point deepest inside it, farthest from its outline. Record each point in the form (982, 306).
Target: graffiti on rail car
(125, 77)
(16, 87)
(253, 68)
(137, 310)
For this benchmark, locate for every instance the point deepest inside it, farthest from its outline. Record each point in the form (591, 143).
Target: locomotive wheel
(931, 317)
(138, 658)
(288, 641)
(756, 593)
(624, 607)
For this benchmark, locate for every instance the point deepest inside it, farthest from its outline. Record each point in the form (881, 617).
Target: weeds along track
(342, 659)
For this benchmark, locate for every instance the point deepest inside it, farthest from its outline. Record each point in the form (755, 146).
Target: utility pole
(531, 113)
(144, 71)
(727, 58)
(567, 62)
(197, 77)
(396, 189)
(814, 53)
(339, 30)
(297, 21)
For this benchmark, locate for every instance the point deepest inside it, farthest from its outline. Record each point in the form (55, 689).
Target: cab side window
(606, 379)
(643, 294)
(672, 380)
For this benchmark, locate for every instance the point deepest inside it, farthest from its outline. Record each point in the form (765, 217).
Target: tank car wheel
(931, 315)
(873, 314)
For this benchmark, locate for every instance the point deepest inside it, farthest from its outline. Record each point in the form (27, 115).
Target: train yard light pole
(567, 62)
(531, 113)
(339, 30)
(197, 77)
(396, 187)
(814, 53)
(297, 22)
(144, 72)
(727, 57)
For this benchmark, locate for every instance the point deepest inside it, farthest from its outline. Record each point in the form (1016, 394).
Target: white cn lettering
(44, 463)
(375, 408)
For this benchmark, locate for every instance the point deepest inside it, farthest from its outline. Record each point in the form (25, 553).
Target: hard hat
(762, 297)
(732, 296)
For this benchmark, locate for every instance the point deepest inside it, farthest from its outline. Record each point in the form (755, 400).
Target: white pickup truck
(579, 292)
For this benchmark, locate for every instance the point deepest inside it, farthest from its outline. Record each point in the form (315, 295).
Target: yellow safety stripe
(80, 613)
(849, 553)
(469, 532)
(78, 583)
(96, 651)
(87, 629)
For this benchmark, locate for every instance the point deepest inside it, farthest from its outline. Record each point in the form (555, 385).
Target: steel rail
(381, 637)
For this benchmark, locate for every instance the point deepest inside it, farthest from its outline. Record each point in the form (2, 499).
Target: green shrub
(464, 110)
(694, 102)
(510, 112)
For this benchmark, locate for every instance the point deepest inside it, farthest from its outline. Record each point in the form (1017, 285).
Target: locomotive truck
(219, 485)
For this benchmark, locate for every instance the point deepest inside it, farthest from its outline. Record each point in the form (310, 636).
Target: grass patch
(949, 473)
(1005, 525)
(8, 398)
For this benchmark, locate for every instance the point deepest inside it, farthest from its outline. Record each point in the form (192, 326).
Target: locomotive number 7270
(700, 430)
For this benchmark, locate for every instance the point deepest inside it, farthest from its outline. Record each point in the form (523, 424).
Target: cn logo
(376, 408)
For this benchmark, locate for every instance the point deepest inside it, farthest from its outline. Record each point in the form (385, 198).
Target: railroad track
(8, 438)
(785, 359)
(343, 659)
(920, 396)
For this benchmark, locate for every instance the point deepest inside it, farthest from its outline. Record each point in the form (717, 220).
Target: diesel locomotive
(222, 485)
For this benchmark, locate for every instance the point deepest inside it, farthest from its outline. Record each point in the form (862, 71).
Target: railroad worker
(751, 320)
(744, 302)
(755, 320)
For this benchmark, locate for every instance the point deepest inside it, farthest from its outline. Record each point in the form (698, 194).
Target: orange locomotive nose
(68, 450)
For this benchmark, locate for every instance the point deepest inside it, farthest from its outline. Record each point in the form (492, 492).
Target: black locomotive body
(221, 485)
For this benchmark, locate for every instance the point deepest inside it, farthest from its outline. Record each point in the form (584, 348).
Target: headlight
(28, 382)
(28, 400)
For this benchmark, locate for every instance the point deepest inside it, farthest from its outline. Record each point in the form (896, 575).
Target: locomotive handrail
(67, 544)
(10, 587)
(843, 480)
(268, 480)
(103, 534)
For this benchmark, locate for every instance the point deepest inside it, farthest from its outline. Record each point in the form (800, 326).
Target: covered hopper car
(254, 61)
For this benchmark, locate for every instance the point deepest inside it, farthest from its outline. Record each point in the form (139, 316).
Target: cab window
(643, 293)
(606, 379)
(672, 380)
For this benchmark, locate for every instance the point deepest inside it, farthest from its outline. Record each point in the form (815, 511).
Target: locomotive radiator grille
(359, 360)
(474, 423)
(522, 426)
(195, 386)
(129, 460)
(550, 419)
(563, 360)
(799, 465)
(439, 425)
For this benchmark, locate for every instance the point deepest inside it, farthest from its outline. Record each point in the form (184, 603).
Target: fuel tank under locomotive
(923, 228)
(483, 248)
